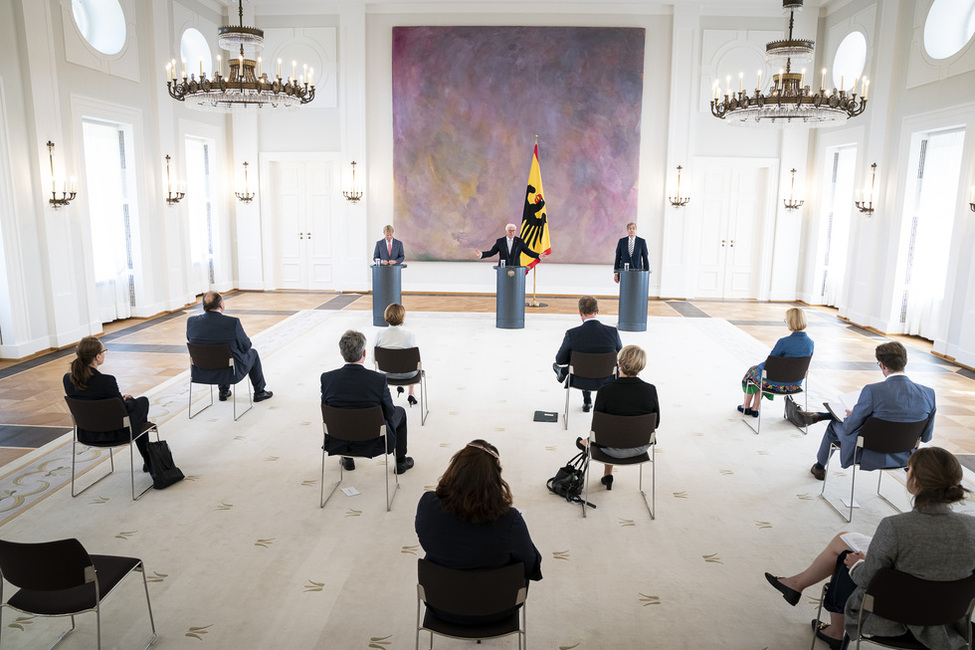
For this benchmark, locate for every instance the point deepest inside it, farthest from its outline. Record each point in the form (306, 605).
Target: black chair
(883, 437)
(100, 416)
(624, 432)
(60, 579)
(471, 594)
(392, 361)
(355, 425)
(903, 598)
(215, 357)
(782, 370)
(588, 365)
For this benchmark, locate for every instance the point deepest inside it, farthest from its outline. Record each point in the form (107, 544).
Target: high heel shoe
(579, 445)
(607, 481)
(411, 400)
(399, 391)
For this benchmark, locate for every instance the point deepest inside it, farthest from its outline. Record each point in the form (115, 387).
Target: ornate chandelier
(789, 100)
(247, 88)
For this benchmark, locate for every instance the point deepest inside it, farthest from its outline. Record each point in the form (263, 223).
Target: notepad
(350, 491)
(546, 416)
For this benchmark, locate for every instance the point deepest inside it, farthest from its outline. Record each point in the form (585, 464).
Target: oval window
(848, 63)
(194, 49)
(101, 23)
(948, 27)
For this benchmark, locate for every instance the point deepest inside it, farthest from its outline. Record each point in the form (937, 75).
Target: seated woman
(395, 337)
(930, 542)
(628, 395)
(85, 382)
(797, 344)
(468, 522)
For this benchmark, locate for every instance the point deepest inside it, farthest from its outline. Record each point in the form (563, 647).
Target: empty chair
(355, 425)
(399, 362)
(882, 437)
(588, 365)
(624, 432)
(781, 370)
(104, 415)
(60, 579)
(214, 365)
(496, 595)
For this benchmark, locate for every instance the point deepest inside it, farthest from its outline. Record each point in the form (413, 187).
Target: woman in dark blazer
(797, 344)
(85, 382)
(468, 522)
(628, 395)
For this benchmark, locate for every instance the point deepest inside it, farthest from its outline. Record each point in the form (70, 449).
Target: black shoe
(404, 465)
(262, 395)
(607, 481)
(225, 395)
(818, 471)
(805, 418)
(145, 467)
(818, 626)
(411, 400)
(579, 445)
(586, 407)
(399, 391)
(791, 595)
(348, 464)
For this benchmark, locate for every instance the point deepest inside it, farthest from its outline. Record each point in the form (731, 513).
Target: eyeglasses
(103, 351)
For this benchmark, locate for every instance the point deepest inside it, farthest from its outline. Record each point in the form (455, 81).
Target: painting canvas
(468, 103)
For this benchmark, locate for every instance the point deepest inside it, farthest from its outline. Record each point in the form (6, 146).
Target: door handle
(722, 243)
(732, 244)
(309, 235)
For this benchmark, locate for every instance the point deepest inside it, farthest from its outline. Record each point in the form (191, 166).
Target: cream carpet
(240, 555)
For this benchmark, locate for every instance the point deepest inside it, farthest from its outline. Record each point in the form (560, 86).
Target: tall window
(110, 186)
(931, 203)
(201, 192)
(835, 236)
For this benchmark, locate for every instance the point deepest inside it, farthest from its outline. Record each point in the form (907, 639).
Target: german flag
(534, 221)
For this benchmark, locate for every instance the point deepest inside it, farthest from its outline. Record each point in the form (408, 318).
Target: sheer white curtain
(106, 179)
(837, 236)
(933, 204)
(200, 192)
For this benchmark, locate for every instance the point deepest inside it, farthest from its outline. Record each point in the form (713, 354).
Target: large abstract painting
(467, 105)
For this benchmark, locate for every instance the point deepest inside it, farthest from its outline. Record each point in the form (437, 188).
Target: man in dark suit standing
(509, 248)
(593, 337)
(212, 328)
(631, 250)
(355, 386)
(388, 250)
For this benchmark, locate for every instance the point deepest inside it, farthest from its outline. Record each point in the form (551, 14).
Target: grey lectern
(511, 297)
(387, 285)
(634, 287)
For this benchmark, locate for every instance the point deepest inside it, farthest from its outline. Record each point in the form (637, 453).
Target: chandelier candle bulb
(184, 68)
(311, 77)
(294, 69)
(758, 84)
(822, 83)
(855, 80)
(866, 83)
(741, 78)
(258, 67)
(842, 85)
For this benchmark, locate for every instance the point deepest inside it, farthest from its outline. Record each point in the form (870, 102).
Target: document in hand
(839, 406)
(856, 541)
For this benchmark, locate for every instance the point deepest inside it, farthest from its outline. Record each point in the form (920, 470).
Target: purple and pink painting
(467, 105)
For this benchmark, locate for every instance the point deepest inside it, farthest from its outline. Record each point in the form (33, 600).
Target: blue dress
(797, 344)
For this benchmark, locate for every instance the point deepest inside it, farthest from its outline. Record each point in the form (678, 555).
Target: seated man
(593, 337)
(212, 328)
(355, 386)
(896, 399)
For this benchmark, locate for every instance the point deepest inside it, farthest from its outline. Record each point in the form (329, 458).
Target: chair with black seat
(103, 416)
(781, 370)
(624, 432)
(905, 599)
(355, 425)
(60, 579)
(470, 593)
(404, 361)
(214, 365)
(882, 437)
(591, 366)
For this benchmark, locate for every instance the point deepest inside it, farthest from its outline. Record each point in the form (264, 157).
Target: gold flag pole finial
(536, 139)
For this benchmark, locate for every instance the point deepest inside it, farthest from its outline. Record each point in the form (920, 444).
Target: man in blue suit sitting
(212, 328)
(896, 399)
(593, 337)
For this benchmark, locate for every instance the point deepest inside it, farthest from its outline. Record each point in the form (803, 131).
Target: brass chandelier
(789, 100)
(247, 88)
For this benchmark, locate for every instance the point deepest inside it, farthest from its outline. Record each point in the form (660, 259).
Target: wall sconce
(67, 192)
(353, 196)
(246, 196)
(678, 201)
(792, 203)
(172, 197)
(865, 204)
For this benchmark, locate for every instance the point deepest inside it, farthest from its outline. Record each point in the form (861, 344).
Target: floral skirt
(754, 375)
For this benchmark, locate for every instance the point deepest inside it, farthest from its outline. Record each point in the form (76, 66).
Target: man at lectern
(389, 250)
(509, 248)
(631, 250)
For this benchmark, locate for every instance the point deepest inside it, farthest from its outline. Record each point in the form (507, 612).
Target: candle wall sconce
(68, 192)
(353, 196)
(678, 201)
(172, 198)
(246, 196)
(792, 203)
(865, 204)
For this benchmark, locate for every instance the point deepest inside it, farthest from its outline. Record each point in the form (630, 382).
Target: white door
(302, 207)
(735, 202)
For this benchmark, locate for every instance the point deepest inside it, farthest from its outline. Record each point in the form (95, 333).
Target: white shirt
(395, 338)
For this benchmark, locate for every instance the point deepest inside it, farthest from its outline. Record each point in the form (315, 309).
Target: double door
(303, 213)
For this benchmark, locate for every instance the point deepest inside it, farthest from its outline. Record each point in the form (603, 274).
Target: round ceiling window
(194, 49)
(848, 63)
(101, 22)
(948, 27)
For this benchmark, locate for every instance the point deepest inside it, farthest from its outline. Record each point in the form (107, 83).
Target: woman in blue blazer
(797, 344)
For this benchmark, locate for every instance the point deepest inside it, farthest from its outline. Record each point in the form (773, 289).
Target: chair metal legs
(111, 460)
(819, 612)
(853, 481)
(565, 412)
(250, 398)
(758, 427)
(189, 410)
(652, 503)
(424, 404)
(324, 498)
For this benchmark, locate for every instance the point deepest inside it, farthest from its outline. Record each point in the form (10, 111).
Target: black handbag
(161, 466)
(569, 481)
